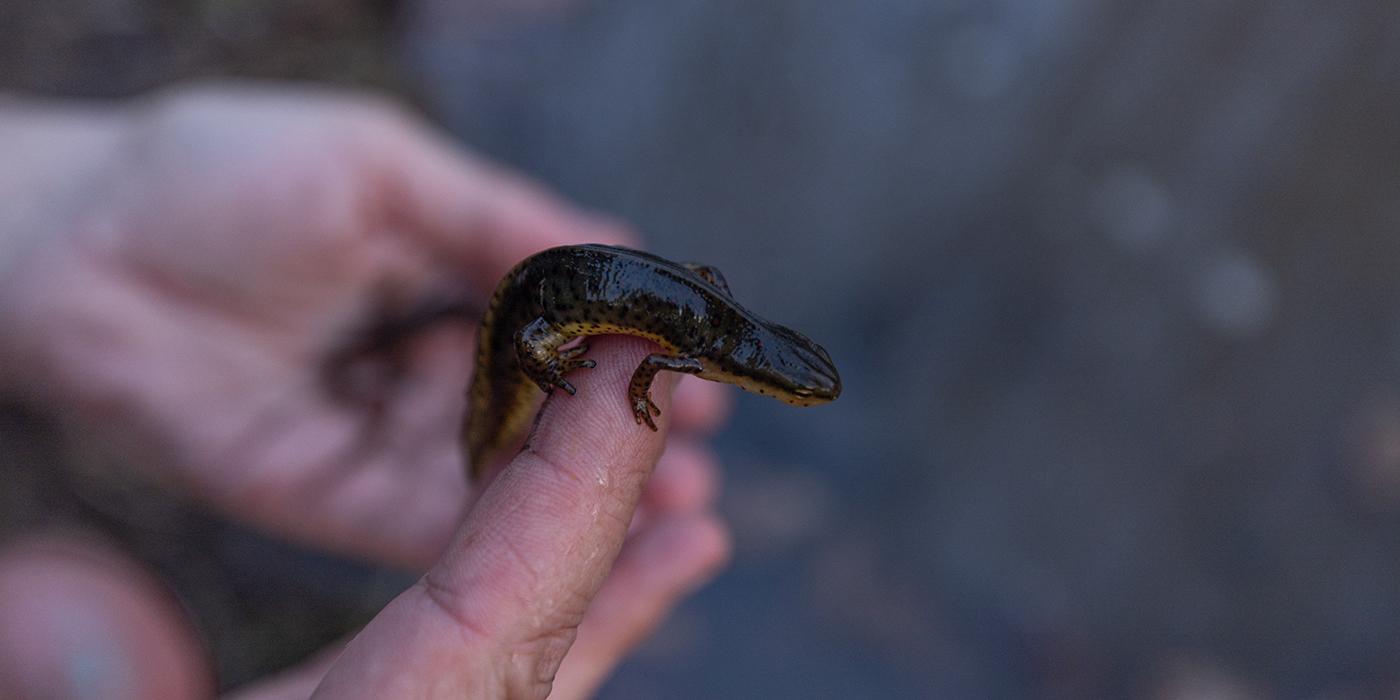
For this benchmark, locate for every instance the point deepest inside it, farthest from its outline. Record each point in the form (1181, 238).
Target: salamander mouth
(813, 378)
(818, 393)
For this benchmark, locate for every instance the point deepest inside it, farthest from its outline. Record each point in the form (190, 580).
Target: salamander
(563, 293)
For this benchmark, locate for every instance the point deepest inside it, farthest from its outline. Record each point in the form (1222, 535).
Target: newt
(564, 293)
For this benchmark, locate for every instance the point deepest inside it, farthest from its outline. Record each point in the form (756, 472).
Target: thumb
(498, 612)
(480, 215)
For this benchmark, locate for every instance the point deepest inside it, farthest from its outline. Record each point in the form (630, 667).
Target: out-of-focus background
(1112, 285)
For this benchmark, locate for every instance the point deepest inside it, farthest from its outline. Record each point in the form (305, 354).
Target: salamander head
(779, 362)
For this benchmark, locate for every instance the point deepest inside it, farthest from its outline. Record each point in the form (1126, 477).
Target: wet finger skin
(501, 609)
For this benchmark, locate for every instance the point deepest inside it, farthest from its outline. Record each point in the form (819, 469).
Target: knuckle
(451, 602)
(528, 661)
(539, 659)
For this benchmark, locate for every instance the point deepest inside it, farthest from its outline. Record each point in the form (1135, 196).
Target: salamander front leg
(643, 408)
(537, 346)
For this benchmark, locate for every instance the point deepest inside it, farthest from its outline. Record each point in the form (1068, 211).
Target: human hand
(229, 242)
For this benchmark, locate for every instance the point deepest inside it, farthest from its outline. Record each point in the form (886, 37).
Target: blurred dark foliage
(112, 48)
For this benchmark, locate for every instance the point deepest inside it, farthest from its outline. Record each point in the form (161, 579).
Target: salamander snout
(809, 377)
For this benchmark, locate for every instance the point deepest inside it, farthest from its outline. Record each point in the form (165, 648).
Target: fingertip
(671, 557)
(709, 545)
(686, 480)
(481, 215)
(701, 406)
(596, 428)
(609, 230)
(553, 520)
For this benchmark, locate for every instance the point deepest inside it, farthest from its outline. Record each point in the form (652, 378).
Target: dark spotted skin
(571, 291)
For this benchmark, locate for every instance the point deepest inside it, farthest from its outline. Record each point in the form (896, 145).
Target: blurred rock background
(1111, 284)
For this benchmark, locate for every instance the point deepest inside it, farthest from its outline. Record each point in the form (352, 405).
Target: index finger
(544, 534)
(498, 612)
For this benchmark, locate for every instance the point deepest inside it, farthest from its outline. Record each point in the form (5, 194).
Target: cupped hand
(222, 246)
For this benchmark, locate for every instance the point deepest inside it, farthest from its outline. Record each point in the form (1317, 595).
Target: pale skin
(178, 272)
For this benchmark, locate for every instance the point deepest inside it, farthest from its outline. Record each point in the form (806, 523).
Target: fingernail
(97, 668)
